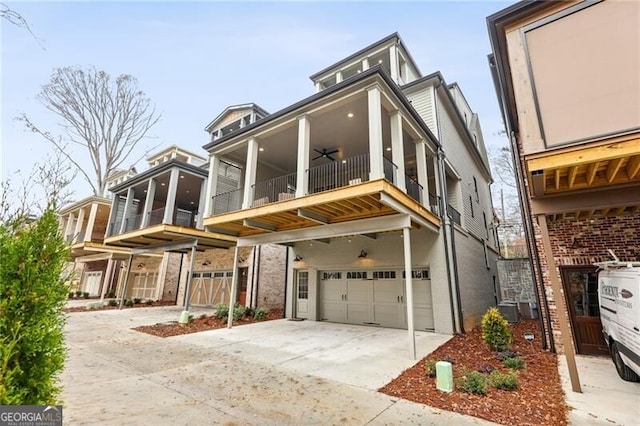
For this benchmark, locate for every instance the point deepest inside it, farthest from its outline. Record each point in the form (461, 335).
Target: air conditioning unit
(509, 310)
(528, 309)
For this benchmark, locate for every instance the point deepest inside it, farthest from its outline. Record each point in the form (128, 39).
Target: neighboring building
(378, 186)
(566, 75)
(157, 214)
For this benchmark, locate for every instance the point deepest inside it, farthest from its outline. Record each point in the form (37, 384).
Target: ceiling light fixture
(362, 254)
(181, 176)
(344, 161)
(388, 148)
(261, 149)
(379, 61)
(350, 115)
(162, 184)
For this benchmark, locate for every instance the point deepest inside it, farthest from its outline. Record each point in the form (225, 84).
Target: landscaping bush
(137, 301)
(71, 294)
(473, 382)
(495, 330)
(128, 303)
(430, 367)
(149, 302)
(260, 314)
(504, 381)
(516, 363)
(78, 293)
(85, 295)
(506, 355)
(249, 312)
(238, 312)
(222, 311)
(32, 299)
(113, 302)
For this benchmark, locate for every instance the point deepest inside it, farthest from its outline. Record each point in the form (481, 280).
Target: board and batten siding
(423, 101)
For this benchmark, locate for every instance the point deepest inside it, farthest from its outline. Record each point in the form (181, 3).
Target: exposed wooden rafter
(613, 168)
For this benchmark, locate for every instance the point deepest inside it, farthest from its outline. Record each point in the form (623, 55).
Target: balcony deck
(88, 248)
(349, 203)
(164, 233)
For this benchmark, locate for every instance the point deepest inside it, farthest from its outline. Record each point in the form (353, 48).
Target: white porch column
(436, 171)
(397, 150)
(93, 212)
(106, 280)
(112, 226)
(393, 63)
(170, 205)
(187, 290)
(234, 286)
(406, 234)
(375, 134)
(123, 296)
(365, 64)
(423, 177)
(68, 229)
(148, 203)
(201, 203)
(302, 178)
(127, 209)
(212, 184)
(250, 174)
(338, 77)
(79, 224)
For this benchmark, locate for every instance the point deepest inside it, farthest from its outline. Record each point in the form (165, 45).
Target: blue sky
(195, 59)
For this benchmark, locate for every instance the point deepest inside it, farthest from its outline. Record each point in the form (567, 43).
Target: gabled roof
(375, 70)
(84, 202)
(160, 168)
(395, 36)
(177, 149)
(231, 108)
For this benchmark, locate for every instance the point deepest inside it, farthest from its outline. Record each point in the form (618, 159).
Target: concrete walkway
(606, 399)
(275, 373)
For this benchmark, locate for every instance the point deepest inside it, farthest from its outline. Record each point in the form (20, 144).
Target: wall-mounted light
(206, 263)
(141, 265)
(298, 258)
(362, 254)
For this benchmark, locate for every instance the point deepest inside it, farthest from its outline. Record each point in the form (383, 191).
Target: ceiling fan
(325, 154)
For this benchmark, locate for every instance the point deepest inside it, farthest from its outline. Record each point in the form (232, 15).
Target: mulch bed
(538, 401)
(201, 323)
(107, 307)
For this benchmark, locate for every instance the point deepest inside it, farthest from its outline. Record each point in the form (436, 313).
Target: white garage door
(374, 297)
(210, 288)
(92, 282)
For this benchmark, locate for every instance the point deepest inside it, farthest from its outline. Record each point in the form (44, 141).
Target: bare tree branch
(107, 118)
(18, 20)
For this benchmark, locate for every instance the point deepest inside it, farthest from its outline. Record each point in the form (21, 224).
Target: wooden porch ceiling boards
(595, 213)
(85, 248)
(170, 233)
(339, 205)
(611, 164)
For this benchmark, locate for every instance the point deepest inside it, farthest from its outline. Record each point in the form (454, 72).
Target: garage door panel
(358, 313)
(334, 311)
(390, 315)
(332, 290)
(387, 291)
(358, 291)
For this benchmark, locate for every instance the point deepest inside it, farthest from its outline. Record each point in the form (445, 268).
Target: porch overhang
(164, 234)
(88, 248)
(352, 203)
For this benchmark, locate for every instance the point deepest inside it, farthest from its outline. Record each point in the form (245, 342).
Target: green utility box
(444, 376)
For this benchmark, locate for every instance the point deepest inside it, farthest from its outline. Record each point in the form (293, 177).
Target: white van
(619, 297)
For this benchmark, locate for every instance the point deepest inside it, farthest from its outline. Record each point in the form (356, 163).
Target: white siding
(422, 101)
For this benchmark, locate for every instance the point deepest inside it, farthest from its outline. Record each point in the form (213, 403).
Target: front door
(581, 288)
(243, 278)
(302, 295)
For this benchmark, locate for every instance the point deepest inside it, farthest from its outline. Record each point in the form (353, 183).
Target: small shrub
(71, 294)
(430, 367)
(128, 303)
(248, 312)
(85, 295)
(78, 293)
(112, 302)
(111, 295)
(504, 381)
(238, 312)
(149, 302)
(516, 363)
(485, 368)
(222, 311)
(260, 314)
(137, 301)
(506, 355)
(473, 382)
(495, 330)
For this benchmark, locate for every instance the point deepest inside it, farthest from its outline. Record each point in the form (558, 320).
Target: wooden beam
(633, 166)
(573, 172)
(612, 169)
(370, 236)
(587, 200)
(581, 155)
(258, 225)
(592, 169)
(308, 214)
(556, 177)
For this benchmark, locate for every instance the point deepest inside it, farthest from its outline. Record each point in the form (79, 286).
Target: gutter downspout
(533, 254)
(179, 277)
(253, 279)
(286, 278)
(455, 274)
(259, 256)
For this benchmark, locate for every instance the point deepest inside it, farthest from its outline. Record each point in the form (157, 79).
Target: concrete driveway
(276, 372)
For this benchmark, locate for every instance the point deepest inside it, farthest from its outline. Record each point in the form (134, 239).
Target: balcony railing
(156, 217)
(272, 190)
(414, 189)
(454, 214)
(132, 223)
(390, 170)
(184, 218)
(337, 174)
(226, 201)
(434, 204)
(75, 238)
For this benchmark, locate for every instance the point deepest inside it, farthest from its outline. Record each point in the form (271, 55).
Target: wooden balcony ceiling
(596, 213)
(343, 204)
(86, 248)
(162, 233)
(611, 164)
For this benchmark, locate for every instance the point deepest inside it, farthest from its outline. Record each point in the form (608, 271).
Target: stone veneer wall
(516, 282)
(271, 276)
